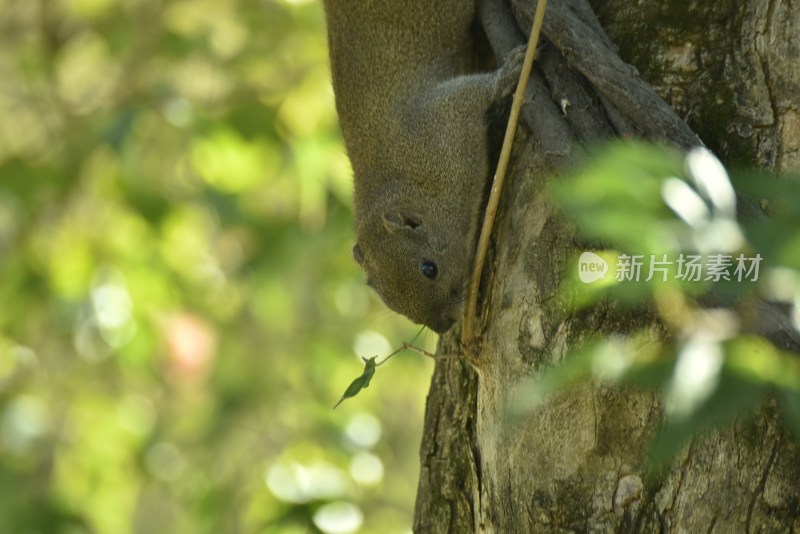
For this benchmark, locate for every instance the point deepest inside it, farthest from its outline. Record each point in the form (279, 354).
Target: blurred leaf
(733, 396)
(790, 406)
(232, 164)
(617, 195)
(780, 191)
(756, 359)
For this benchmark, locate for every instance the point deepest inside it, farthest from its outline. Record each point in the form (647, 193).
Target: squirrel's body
(414, 124)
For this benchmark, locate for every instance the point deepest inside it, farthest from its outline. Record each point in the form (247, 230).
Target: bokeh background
(179, 309)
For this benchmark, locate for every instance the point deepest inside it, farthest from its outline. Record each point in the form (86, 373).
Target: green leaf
(361, 382)
(617, 196)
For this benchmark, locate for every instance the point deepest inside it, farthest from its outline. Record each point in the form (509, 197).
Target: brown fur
(414, 124)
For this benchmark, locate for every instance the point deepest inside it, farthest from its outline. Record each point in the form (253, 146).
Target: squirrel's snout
(442, 324)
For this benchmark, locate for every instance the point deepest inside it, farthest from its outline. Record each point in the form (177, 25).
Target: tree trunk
(730, 68)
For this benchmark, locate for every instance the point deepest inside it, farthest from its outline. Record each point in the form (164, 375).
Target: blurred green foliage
(179, 310)
(633, 199)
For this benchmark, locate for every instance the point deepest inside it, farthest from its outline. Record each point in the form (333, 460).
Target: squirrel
(414, 123)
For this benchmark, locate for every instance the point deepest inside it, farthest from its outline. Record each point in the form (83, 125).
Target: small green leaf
(361, 382)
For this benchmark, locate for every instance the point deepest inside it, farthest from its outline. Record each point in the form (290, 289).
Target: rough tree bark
(731, 69)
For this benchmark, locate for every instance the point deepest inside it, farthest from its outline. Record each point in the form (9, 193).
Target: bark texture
(578, 465)
(731, 68)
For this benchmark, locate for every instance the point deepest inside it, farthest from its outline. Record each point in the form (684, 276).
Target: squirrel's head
(417, 270)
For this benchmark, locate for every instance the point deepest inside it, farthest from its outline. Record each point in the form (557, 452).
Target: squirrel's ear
(398, 220)
(358, 255)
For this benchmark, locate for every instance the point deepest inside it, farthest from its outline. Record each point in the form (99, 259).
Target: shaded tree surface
(578, 464)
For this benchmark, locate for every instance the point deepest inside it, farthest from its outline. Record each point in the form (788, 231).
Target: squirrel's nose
(442, 324)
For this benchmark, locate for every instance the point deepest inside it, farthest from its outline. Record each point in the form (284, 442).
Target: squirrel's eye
(429, 270)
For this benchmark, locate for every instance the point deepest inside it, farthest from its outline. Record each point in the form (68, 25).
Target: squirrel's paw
(508, 73)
